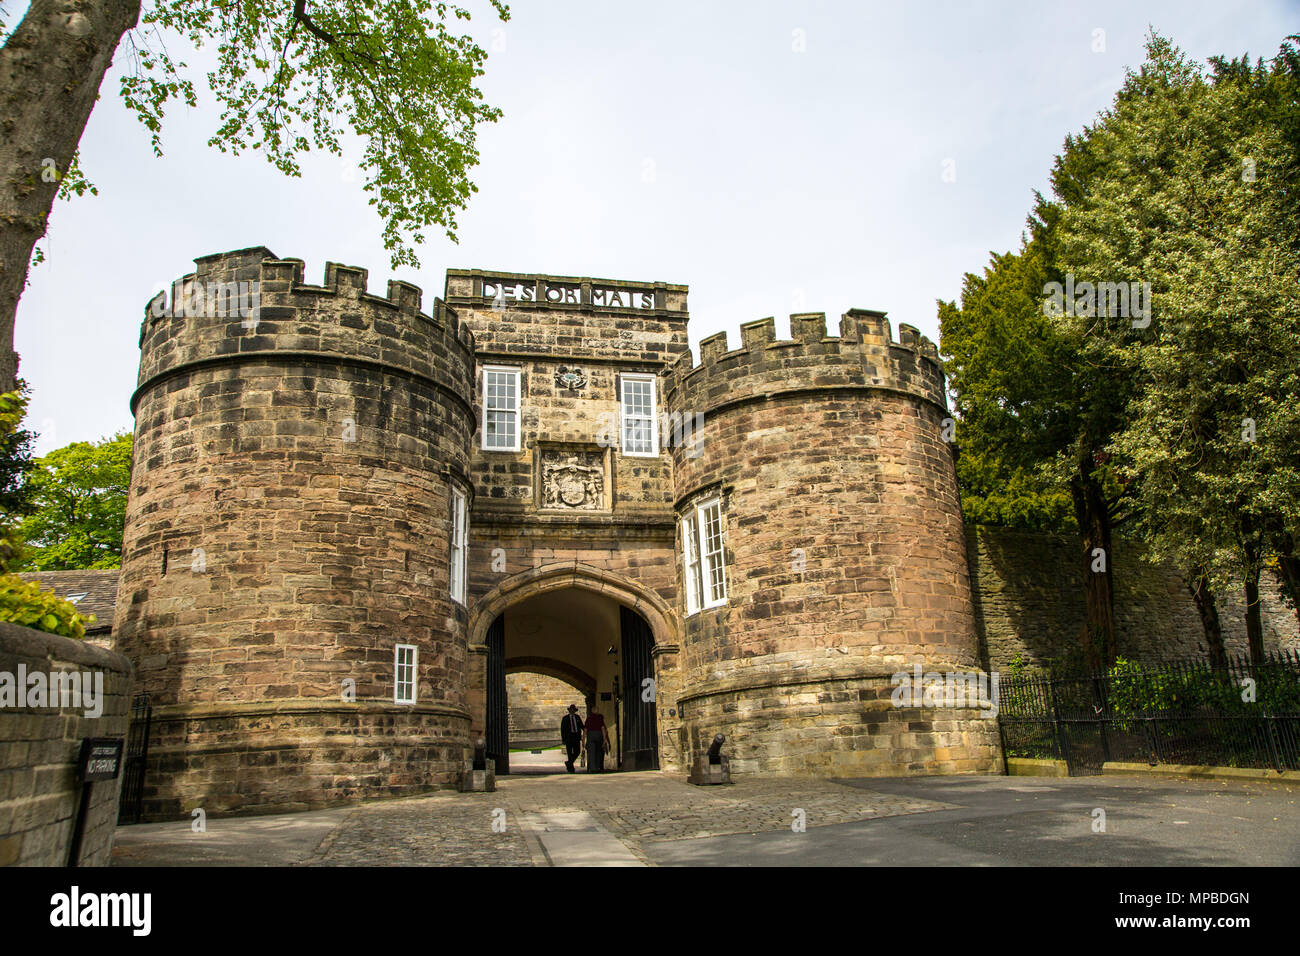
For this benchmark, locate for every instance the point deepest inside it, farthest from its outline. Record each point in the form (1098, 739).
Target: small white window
(500, 408)
(702, 557)
(714, 567)
(404, 658)
(458, 551)
(640, 437)
(691, 565)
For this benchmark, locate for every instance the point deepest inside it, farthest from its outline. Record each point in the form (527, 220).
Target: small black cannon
(479, 773)
(711, 767)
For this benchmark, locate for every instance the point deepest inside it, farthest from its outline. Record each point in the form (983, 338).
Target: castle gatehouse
(351, 518)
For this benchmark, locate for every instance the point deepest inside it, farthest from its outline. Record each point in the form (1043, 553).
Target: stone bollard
(712, 767)
(479, 775)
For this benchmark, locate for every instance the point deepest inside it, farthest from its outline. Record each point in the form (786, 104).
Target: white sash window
(500, 408)
(637, 403)
(459, 523)
(404, 658)
(703, 557)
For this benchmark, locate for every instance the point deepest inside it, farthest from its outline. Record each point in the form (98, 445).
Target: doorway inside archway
(598, 647)
(534, 699)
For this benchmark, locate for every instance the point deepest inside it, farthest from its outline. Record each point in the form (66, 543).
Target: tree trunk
(1254, 623)
(1093, 514)
(1252, 549)
(51, 68)
(1288, 567)
(1205, 606)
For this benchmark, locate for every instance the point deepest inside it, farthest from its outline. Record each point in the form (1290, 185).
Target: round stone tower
(299, 454)
(842, 541)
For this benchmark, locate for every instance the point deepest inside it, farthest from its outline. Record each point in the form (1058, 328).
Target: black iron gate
(640, 727)
(497, 733)
(137, 752)
(1063, 719)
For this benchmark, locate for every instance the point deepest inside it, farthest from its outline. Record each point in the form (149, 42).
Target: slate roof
(98, 590)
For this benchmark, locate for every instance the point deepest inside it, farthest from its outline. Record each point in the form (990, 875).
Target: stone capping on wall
(39, 749)
(16, 641)
(863, 356)
(464, 287)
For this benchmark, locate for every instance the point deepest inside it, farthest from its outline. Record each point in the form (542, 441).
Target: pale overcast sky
(690, 142)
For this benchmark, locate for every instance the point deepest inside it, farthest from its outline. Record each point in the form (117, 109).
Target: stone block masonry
(1028, 590)
(844, 547)
(288, 527)
(537, 704)
(40, 747)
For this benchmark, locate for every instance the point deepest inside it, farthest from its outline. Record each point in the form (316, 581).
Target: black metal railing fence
(1242, 714)
(137, 753)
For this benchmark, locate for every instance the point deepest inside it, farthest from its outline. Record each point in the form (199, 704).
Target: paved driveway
(1019, 821)
(652, 818)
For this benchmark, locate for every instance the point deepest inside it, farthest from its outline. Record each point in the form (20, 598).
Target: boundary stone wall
(1029, 602)
(40, 747)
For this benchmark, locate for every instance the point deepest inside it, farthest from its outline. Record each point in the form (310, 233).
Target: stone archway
(575, 676)
(663, 620)
(594, 629)
(538, 695)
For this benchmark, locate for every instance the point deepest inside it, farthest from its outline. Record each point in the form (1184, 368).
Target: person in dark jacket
(597, 741)
(571, 733)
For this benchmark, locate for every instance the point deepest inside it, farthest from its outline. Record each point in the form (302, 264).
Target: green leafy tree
(15, 466)
(290, 76)
(79, 494)
(1194, 193)
(1034, 416)
(1273, 91)
(1006, 369)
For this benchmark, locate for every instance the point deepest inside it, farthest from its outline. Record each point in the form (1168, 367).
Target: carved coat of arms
(572, 480)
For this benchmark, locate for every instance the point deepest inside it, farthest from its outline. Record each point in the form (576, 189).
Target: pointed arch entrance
(593, 628)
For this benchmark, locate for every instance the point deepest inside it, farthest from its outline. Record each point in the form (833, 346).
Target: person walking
(597, 739)
(571, 734)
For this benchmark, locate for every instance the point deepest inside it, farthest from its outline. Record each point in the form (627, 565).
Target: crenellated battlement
(863, 355)
(249, 303)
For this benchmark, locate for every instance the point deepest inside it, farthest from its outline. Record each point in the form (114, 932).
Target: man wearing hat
(571, 734)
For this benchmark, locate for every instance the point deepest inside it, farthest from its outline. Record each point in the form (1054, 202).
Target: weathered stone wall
(844, 547)
(1030, 603)
(288, 524)
(40, 747)
(569, 415)
(625, 526)
(537, 705)
(571, 339)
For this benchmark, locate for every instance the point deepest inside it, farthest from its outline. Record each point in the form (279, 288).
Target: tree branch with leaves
(290, 77)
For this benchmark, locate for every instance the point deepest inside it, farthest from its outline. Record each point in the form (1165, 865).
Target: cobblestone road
(450, 829)
(650, 806)
(445, 829)
(649, 818)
